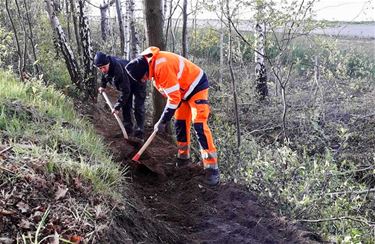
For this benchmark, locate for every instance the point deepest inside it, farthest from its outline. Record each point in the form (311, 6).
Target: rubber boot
(211, 176)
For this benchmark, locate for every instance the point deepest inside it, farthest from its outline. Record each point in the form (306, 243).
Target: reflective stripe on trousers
(195, 110)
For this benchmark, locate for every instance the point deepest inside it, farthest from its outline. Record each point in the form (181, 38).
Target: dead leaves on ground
(26, 193)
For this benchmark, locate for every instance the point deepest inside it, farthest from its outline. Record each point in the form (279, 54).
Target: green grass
(44, 119)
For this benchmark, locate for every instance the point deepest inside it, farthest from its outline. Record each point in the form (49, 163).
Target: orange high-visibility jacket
(175, 77)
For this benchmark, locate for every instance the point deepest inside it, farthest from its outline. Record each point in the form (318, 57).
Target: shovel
(116, 116)
(155, 168)
(143, 148)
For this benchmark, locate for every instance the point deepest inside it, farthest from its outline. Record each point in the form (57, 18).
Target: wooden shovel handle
(116, 116)
(143, 148)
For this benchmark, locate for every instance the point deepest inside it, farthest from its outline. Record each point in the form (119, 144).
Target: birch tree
(104, 20)
(260, 67)
(133, 35)
(64, 46)
(89, 72)
(73, 10)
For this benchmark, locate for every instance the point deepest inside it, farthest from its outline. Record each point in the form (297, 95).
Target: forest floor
(173, 206)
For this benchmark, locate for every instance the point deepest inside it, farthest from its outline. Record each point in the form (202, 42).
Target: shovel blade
(136, 158)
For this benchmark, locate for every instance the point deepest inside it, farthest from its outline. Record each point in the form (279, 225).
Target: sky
(335, 10)
(346, 10)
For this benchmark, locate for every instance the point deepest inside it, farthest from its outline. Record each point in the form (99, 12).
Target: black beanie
(101, 59)
(137, 68)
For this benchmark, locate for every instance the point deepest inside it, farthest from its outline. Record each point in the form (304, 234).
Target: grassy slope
(52, 150)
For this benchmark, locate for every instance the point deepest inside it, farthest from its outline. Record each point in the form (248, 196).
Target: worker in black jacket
(113, 71)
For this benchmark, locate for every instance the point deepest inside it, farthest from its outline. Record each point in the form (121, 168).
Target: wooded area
(292, 111)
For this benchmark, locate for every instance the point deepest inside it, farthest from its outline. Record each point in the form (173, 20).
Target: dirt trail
(178, 208)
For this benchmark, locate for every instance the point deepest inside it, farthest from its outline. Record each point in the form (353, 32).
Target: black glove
(161, 127)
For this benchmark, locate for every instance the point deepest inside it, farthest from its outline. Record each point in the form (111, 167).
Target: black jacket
(119, 78)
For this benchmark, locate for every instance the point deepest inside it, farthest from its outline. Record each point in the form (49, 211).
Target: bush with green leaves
(6, 46)
(316, 189)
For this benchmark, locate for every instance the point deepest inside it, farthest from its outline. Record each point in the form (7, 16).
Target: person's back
(113, 70)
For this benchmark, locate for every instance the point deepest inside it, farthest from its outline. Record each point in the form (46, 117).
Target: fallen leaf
(25, 224)
(23, 207)
(61, 192)
(75, 239)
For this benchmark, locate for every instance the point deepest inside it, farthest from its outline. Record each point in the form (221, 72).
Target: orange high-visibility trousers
(195, 110)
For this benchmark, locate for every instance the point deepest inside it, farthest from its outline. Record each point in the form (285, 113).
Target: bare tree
(89, 72)
(73, 10)
(153, 12)
(64, 46)
(22, 24)
(234, 88)
(184, 28)
(222, 34)
(133, 35)
(31, 37)
(104, 21)
(168, 27)
(120, 19)
(68, 15)
(294, 25)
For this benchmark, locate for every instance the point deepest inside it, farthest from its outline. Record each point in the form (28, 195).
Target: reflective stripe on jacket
(174, 76)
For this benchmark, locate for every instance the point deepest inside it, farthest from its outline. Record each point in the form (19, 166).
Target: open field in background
(343, 29)
(350, 30)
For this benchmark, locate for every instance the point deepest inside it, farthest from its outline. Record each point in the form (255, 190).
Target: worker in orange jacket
(186, 87)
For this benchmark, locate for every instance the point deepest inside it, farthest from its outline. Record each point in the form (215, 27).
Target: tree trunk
(175, 30)
(76, 27)
(104, 20)
(165, 7)
(222, 33)
(184, 29)
(24, 63)
(134, 42)
(89, 75)
(68, 15)
(153, 12)
(66, 50)
(260, 68)
(31, 38)
(121, 27)
(128, 37)
(234, 88)
(194, 26)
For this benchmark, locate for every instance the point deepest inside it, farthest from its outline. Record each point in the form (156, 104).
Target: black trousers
(137, 98)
